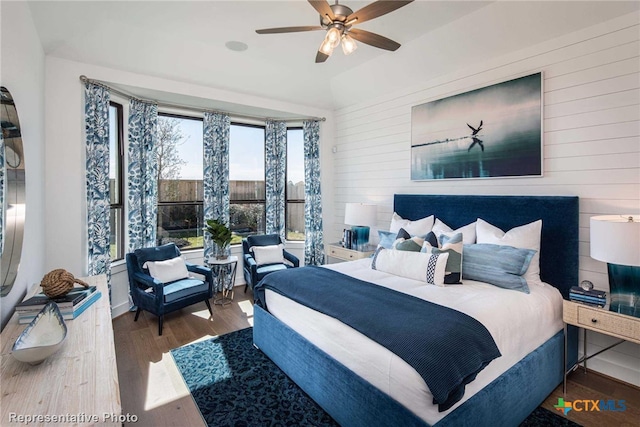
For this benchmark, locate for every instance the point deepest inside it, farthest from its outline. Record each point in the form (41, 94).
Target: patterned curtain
(2, 202)
(313, 241)
(96, 121)
(275, 176)
(216, 171)
(142, 175)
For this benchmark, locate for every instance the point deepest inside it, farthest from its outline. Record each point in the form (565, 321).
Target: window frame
(119, 204)
(196, 203)
(262, 201)
(286, 196)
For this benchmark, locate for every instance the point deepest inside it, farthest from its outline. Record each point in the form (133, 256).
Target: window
(295, 184)
(180, 182)
(116, 181)
(180, 175)
(246, 180)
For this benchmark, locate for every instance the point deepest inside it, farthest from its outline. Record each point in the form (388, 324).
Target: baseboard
(610, 378)
(604, 367)
(119, 310)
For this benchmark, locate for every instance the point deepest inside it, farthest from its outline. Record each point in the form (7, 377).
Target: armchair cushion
(168, 270)
(183, 288)
(271, 254)
(266, 269)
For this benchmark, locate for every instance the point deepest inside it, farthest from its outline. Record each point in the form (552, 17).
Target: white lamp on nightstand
(615, 239)
(360, 216)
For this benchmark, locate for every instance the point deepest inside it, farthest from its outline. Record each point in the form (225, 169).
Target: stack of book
(71, 305)
(591, 297)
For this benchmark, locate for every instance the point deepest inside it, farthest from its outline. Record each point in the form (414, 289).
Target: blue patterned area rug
(235, 384)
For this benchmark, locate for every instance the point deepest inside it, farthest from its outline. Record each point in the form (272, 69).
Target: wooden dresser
(76, 386)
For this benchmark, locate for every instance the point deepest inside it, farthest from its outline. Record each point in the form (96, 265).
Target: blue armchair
(253, 272)
(160, 298)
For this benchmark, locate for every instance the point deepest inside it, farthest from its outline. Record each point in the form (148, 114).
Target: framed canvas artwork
(491, 132)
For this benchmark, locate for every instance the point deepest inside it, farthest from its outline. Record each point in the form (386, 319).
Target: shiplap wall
(591, 144)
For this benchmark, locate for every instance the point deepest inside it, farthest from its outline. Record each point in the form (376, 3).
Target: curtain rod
(130, 96)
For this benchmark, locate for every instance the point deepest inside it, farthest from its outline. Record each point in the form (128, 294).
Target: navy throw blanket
(446, 347)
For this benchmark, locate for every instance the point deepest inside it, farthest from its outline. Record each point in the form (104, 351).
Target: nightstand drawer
(337, 251)
(342, 253)
(597, 319)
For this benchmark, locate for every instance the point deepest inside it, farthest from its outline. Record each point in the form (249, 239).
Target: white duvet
(518, 322)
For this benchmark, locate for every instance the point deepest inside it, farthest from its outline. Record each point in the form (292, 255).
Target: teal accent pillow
(386, 239)
(502, 266)
(408, 245)
(453, 245)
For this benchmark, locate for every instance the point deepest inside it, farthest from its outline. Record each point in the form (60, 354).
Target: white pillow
(412, 265)
(418, 227)
(268, 254)
(169, 270)
(524, 237)
(468, 231)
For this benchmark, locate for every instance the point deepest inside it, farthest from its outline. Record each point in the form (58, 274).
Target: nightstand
(336, 250)
(600, 320)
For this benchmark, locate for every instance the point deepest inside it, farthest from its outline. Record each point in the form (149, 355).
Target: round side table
(225, 272)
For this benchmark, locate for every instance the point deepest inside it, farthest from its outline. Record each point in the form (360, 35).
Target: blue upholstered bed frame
(507, 400)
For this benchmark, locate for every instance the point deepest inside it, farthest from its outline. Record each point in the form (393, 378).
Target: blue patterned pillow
(502, 266)
(454, 247)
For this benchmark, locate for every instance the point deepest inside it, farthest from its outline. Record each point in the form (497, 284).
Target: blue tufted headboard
(559, 243)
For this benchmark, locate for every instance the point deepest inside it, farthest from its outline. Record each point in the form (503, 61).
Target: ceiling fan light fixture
(326, 47)
(333, 36)
(337, 21)
(348, 44)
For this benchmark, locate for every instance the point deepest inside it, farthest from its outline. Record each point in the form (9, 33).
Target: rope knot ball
(59, 282)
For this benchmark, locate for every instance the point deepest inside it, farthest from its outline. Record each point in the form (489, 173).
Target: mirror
(12, 193)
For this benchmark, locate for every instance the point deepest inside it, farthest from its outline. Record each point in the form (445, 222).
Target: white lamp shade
(616, 240)
(360, 214)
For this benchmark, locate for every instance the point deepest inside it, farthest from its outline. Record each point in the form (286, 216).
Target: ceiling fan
(338, 20)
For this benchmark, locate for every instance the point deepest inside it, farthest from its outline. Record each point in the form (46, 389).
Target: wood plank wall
(591, 143)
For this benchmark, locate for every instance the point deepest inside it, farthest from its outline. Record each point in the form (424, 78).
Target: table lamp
(360, 216)
(615, 239)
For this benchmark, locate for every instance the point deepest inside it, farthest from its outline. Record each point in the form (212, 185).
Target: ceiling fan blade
(376, 9)
(321, 57)
(323, 8)
(289, 29)
(373, 39)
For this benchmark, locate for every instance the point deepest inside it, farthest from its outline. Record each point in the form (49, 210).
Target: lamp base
(359, 237)
(624, 289)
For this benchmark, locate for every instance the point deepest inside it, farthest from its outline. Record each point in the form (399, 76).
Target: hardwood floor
(152, 388)
(596, 386)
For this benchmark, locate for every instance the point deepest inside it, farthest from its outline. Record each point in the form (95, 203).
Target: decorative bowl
(42, 337)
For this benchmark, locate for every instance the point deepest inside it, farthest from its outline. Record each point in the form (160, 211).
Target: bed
(502, 398)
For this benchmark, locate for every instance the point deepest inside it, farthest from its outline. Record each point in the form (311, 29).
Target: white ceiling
(185, 40)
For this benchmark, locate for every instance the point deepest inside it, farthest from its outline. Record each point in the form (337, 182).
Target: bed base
(352, 401)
